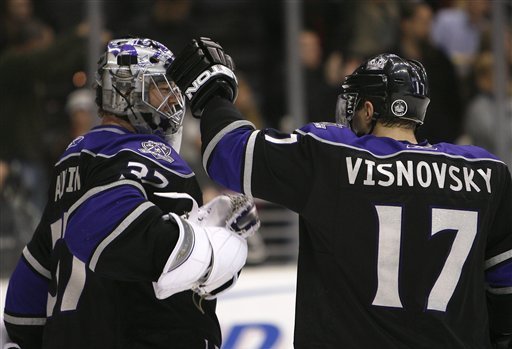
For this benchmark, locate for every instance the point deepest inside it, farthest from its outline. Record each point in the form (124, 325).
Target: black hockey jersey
(85, 278)
(400, 245)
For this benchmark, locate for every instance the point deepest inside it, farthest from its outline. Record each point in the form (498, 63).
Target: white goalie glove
(233, 212)
(211, 249)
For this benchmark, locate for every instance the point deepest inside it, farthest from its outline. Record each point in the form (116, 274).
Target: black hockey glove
(202, 70)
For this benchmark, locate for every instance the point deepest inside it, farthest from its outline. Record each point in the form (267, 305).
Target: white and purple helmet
(126, 72)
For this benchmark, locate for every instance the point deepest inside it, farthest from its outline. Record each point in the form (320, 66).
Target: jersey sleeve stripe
(249, 154)
(17, 320)
(35, 264)
(290, 140)
(99, 189)
(500, 290)
(215, 140)
(499, 276)
(120, 228)
(498, 259)
(27, 293)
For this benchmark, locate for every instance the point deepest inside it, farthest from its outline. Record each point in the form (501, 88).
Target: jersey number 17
(390, 231)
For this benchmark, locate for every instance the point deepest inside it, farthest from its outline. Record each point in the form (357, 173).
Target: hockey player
(402, 244)
(122, 257)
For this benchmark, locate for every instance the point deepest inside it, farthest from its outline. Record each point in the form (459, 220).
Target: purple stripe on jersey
(225, 163)
(500, 276)
(384, 146)
(110, 140)
(27, 292)
(108, 209)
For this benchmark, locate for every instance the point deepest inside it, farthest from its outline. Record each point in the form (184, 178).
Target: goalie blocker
(204, 259)
(211, 248)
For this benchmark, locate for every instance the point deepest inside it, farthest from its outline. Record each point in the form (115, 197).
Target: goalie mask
(133, 85)
(396, 87)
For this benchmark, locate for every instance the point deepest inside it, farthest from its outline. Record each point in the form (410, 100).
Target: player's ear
(368, 111)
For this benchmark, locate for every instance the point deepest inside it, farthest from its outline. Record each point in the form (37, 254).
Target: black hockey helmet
(395, 86)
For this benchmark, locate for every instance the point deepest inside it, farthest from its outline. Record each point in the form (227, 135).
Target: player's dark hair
(392, 121)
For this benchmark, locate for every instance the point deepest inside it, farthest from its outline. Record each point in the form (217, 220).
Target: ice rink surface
(258, 313)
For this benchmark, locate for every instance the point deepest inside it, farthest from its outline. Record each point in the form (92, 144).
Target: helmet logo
(351, 104)
(399, 107)
(377, 63)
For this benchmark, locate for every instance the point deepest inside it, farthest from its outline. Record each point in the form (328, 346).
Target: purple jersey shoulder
(384, 146)
(107, 141)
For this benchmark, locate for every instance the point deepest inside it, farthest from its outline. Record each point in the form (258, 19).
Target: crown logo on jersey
(158, 149)
(399, 107)
(75, 142)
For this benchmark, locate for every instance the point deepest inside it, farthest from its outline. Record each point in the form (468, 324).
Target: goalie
(109, 266)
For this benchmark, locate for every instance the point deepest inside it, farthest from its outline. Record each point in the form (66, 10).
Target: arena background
(291, 57)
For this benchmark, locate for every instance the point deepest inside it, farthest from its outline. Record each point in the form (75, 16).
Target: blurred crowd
(46, 99)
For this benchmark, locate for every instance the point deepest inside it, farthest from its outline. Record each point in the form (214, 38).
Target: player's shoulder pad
(327, 131)
(466, 151)
(157, 150)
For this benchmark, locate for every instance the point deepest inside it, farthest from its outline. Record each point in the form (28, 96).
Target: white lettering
(440, 174)
(402, 172)
(424, 182)
(58, 194)
(353, 170)
(451, 171)
(468, 179)
(487, 177)
(205, 76)
(389, 174)
(408, 173)
(71, 176)
(73, 182)
(369, 173)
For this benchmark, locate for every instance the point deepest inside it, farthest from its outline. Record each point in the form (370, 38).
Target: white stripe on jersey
(120, 228)
(191, 174)
(289, 140)
(35, 264)
(501, 290)
(498, 259)
(215, 140)
(249, 154)
(15, 320)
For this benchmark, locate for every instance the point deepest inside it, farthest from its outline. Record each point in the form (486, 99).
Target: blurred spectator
(459, 31)
(81, 109)
(34, 84)
(18, 213)
(318, 93)
(246, 101)
(480, 123)
(63, 15)
(446, 107)
(166, 21)
(20, 29)
(254, 33)
(376, 27)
